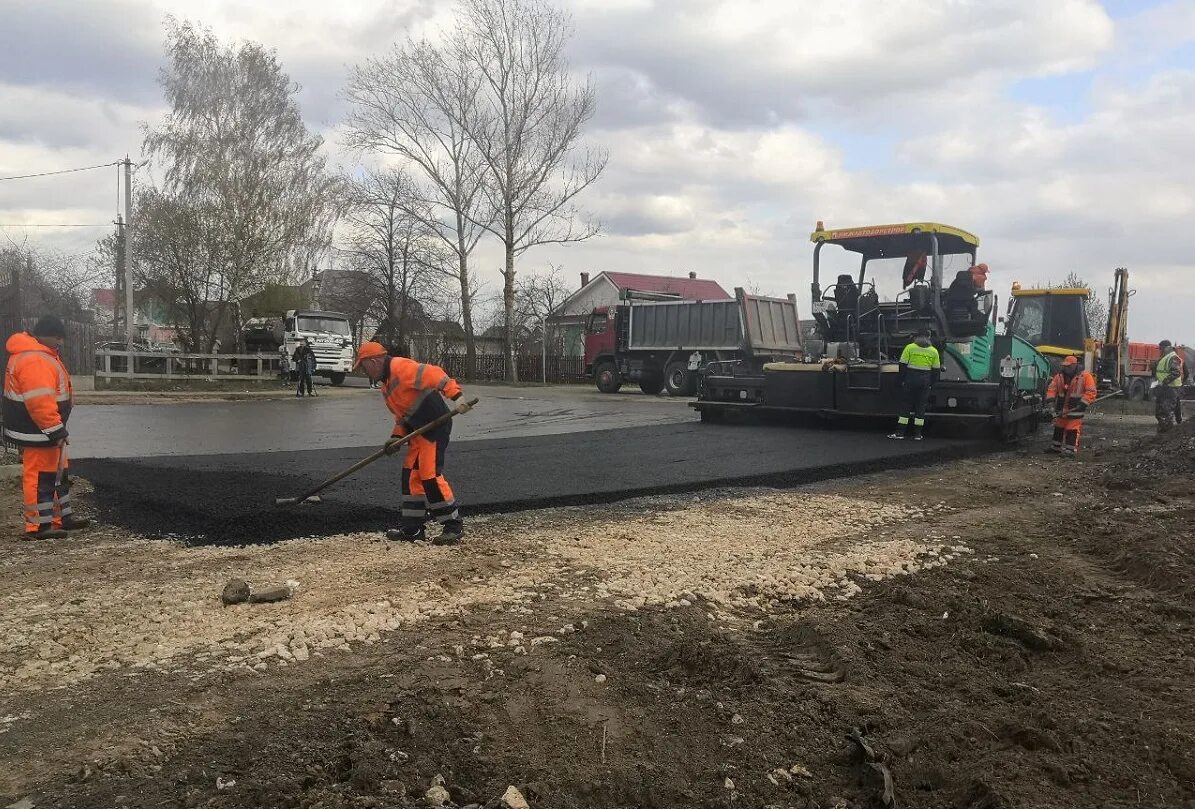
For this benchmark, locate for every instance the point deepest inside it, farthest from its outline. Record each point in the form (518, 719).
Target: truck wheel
(651, 386)
(1137, 390)
(679, 380)
(336, 377)
(608, 378)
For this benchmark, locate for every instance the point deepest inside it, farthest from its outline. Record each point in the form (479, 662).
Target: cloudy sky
(1061, 132)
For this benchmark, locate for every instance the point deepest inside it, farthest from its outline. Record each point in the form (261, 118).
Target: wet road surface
(352, 420)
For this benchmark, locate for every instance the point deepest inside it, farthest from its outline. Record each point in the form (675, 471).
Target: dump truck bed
(749, 323)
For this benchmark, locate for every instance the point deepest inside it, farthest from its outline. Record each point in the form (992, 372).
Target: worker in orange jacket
(37, 404)
(415, 393)
(1071, 392)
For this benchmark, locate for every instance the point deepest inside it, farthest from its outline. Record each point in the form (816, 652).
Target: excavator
(1055, 321)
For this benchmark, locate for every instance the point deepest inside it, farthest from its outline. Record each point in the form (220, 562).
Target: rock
(270, 594)
(601, 678)
(513, 799)
(437, 795)
(727, 783)
(23, 803)
(235, 592)
(737, 719)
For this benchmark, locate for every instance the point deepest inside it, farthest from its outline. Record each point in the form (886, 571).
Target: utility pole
(127, 255)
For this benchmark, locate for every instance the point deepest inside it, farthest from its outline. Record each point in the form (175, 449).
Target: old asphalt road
(227, 497)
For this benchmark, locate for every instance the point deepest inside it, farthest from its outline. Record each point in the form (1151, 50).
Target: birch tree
(413, 104)
(245, 195)
(526, 123)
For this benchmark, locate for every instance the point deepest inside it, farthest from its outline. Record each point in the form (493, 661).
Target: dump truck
(329, 334)
(991, 384)
(662, 342)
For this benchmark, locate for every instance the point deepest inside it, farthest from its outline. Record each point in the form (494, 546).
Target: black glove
(58, 435)
(458, 396)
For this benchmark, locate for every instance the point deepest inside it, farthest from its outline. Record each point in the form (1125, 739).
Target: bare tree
(526, 124)
(52, 281)
(390, 241)
(412, 104)
(537, 295)
(245, 198)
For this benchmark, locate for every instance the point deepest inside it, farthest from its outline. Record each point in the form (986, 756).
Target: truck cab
(330, 336)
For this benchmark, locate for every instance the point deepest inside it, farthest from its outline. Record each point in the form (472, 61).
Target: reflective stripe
(38, 520)
(903, 420)
(63, 499)
(44, 506)
(419, 375)
(29, 394)
(66, 512)
(32, 438)
(455, 515)
(918, 422)
(414, 512)
(390, 386)
(443, 383)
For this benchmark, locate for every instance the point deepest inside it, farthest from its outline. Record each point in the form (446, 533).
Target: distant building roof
(689, 288)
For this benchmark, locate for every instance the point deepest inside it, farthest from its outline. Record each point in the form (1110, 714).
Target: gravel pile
(109, 603)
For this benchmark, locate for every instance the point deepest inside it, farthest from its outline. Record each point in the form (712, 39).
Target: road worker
(37, 404)
(920, 367)
(415, 393)
(1168, 374)
(1071, 392)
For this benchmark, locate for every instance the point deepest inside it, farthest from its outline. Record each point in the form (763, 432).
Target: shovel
(388, 449)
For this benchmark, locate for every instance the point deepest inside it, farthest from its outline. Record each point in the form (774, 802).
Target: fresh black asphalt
(228, 499)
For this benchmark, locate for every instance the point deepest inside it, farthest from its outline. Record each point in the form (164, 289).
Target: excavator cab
(1053, 320)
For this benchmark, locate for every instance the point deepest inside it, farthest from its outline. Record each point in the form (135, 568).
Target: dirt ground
(1008, 631)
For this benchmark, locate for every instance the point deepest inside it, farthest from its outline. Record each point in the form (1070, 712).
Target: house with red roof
(606, 289)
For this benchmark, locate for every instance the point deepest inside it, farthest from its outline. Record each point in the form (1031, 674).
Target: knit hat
(49, 326)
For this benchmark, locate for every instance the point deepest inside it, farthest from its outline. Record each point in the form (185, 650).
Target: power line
(65, 225)
(62, 171)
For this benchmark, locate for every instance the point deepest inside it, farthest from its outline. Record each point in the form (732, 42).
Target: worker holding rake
(415, 393)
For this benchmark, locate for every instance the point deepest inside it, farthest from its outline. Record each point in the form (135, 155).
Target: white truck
(330, 336)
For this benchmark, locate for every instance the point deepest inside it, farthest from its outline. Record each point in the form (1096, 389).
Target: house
(149, 318)
(606, 289)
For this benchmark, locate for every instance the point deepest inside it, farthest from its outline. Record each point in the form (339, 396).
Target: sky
(1062, 133)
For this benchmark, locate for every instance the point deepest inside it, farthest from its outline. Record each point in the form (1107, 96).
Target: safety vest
(415, 391)
(1165, 368)
(918, 358)
(1081, 388)
(37, 392)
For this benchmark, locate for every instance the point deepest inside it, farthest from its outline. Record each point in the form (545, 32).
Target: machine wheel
(608, 378)
(679, 380)
(651, 386)
(1137, 390)
(337, 378)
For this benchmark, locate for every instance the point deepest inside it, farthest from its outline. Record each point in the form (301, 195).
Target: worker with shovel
(37, 403)
(1071, 392)
(415, 393)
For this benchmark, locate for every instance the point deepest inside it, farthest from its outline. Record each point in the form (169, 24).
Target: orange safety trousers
(425, 491)
(1067, 435)
(45, 503)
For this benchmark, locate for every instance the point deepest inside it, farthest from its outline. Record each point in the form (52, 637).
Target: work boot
(917, 434)
(1052, 450)
(75, 523)
(450, 536)
(398, 535)
(45, 533)
(897, 436)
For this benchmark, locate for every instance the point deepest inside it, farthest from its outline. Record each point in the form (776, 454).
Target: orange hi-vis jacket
(414, 393)
(1076, 396)
(37, 393)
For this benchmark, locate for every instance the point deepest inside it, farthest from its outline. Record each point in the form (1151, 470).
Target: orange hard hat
(1071, 361)
(367, 350)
